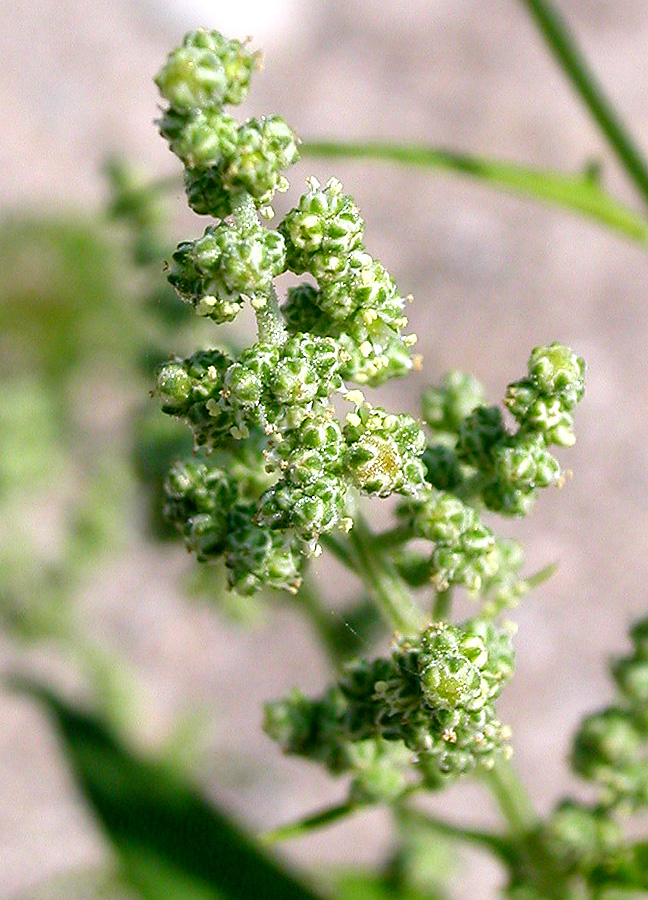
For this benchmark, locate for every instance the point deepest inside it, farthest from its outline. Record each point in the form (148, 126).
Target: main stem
(271, 328)
(564, 48)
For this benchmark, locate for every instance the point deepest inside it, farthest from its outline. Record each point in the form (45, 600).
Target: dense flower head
(206, 71)
(263, 150)
(199, 499)
(433, 695)
(324, 233)
(581, 838)
(543, 401)
(463, 551)
(356, 300)
(200, 138)
(228, 263)
(257, 557)
(384, 454)
(610, 750)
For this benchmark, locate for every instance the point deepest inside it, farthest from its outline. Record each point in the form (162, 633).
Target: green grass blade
(577, 193)
(173, 844)
(574, 64)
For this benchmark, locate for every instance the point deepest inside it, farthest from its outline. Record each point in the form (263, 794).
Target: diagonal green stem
(577, 193)
(494, 843)
(512, 798)
(563, 46)
(320, 617)
(310, 823)
(385, 586)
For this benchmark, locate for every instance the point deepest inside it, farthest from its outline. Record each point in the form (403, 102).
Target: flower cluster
(356, 301)
(611, 746)
(221, 158)
(433, 696)
(274, 398)
(478, 462)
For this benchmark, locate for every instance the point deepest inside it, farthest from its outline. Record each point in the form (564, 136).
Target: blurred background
(86, 585)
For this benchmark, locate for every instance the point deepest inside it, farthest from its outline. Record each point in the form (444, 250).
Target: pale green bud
(264, 149)
(201, 138)
(208, 70)
(322, 232)
(444, 408)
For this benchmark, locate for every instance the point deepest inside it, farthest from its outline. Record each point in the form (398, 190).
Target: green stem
(517, 808)
(494, 843)
(577, 193)
(320, 618)
(386, 588)
(340, 550)
(310, 823)
(512, 798)
(442, 605)
(271, 328)
(562, 44)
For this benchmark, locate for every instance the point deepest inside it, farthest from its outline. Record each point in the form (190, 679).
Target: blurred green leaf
(629, 873)
(578, 193)
(355, 885)
(173, 845)
(63, 299)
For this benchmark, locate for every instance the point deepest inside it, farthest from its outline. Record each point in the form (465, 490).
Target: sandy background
(492, 277)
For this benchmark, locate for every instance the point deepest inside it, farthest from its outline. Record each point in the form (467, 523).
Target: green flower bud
(201, 138)
(318, 437)
(524, 464)
(498, 664)
(192, 77)
(366, 286)
(257, 557)
(558, 372)
(242, 385)
(549, 417)
(249, 258)
(384, 451)
(309, 369)
(581, 838)
(207, 192)
(452, 682)
(479, 435)
(310, 510)
(226, 263)
(442, 467)
(608, 749)
(192, 389)
(322, 232)
(302, 312)
(445, 407)
(508, 501)
(263, 150)
(206, 71)
(198, 502)
(380, 770)
(543, 401)
(175, 387)
(631, 676)
(504, 587)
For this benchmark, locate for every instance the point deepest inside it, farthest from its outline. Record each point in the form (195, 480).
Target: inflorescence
(343, 328)
(276, 468)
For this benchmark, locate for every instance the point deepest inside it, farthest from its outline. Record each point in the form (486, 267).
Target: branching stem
(386, 588)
